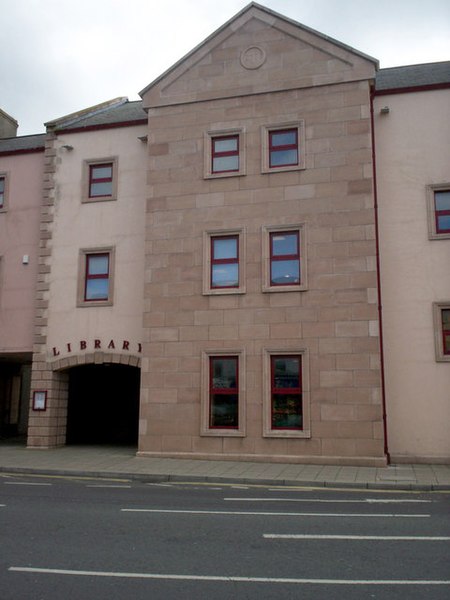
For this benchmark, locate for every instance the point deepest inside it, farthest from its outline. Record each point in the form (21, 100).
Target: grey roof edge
(73, 118)
(22, 143)
(416, 76)
(237, 16)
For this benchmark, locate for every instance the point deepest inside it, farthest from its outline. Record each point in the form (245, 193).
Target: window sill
(91, 303)
(284, 288)
(223, 433)
(98, 199)
(287, 433)
(439, 236)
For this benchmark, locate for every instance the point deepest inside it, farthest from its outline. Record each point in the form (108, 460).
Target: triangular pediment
(258, 51)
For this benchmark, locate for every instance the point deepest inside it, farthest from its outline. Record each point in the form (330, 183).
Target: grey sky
(59, 56)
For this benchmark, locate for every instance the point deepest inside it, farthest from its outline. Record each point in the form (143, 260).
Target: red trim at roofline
(22, 151)
(99, 127)
(414, 88)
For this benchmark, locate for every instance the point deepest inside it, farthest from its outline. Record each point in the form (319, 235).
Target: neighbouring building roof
(113, 113)
(22, 144)
(413, 76)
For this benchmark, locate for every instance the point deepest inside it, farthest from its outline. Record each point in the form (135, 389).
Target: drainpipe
(380, 311)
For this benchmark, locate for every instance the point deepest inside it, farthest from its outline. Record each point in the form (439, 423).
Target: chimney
(8, 125)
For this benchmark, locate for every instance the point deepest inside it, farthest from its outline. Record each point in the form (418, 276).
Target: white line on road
(322, 500)
(269, 514)
(24, 483)
(160, 484)
(406, 538)
(279, 580)
(123, 487)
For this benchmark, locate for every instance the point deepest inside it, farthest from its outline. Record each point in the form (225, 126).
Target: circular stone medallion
(253, 57)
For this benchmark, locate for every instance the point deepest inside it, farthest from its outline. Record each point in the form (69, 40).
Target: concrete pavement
(122, 463)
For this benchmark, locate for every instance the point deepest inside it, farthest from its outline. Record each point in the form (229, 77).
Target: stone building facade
(211, 264)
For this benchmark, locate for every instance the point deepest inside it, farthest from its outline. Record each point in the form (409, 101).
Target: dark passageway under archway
(103, 404)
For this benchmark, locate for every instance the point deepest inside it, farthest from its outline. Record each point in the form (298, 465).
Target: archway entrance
(103, 405)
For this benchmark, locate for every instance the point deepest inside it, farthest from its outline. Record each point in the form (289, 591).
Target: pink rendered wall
(19, 236)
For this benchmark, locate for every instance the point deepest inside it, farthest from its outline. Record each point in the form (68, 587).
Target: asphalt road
(75, 539)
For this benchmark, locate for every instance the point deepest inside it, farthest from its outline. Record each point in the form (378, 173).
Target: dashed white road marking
(395, 538)
(270, 514)
(327, 501)
(25, 483)
(120, 487)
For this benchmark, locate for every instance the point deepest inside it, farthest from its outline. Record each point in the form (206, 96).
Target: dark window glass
(286, 392)
(224, 395)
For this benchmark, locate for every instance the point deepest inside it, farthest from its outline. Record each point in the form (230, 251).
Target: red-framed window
(225, 261)
(283, 147)
(100, 180)
(285, 258)
(286, 392)
(223, 392)
(2, 191)
(442, 210)
(97, 277)
(445, 313)
(225, 154)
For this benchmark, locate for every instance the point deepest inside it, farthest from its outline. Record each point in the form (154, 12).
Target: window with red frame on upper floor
(223, 392)
(100, 180)
(225, 154)
(2, 191)
(283, 148)
(438, 205)
(442, 211)
(224, 261)
(97, 277)
(284, 258)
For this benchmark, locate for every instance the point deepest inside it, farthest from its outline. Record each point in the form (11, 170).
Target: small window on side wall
(441, 316)
(224, 262)
(286, 394)
(100, 180)
(95, 283)
(224, 153)
(223, 401)
(3, 191)
(284, 260)
(283, 147)
(438, 197)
